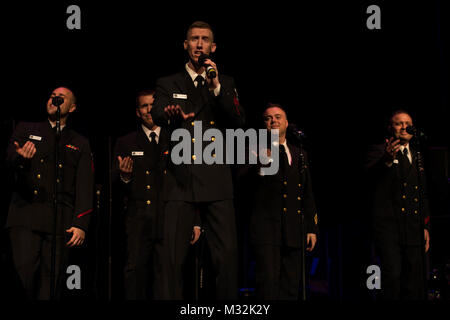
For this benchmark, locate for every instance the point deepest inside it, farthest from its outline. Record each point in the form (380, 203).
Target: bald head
(67, 107)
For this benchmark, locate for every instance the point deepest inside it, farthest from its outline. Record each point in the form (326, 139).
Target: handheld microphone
(57, 101)
(411, 130)
(210, 71)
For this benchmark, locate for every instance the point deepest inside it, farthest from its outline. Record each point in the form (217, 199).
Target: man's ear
(213, 47)
(73, 107)
(185, 44)
(137, 113)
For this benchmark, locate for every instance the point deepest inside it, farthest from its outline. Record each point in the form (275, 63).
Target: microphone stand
(200, 268)
(110, 208)
(302, 165)
(56, 184)
(198, 247)
(420, 175)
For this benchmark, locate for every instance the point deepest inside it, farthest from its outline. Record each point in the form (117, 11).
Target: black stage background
(339, 80)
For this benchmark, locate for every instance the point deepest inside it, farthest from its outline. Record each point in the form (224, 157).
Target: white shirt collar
(403, 147)
(406, 146)
(147, 132)
(53, 124)
(286, 148)
(193, 74)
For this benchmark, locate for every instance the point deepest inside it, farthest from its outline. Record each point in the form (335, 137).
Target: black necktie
(284, 161)
(153, 139)
(403, 162)
(405, 154)
(199, 79)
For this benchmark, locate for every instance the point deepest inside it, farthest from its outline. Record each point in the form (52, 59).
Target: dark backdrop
(339, 80)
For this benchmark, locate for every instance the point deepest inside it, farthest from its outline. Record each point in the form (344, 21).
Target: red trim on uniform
(92, 166)
(427, 219)
(84, 213)
(236, 104)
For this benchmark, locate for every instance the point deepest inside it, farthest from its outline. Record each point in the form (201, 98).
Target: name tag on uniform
(35, 137)
(137, 153)
(180, 96)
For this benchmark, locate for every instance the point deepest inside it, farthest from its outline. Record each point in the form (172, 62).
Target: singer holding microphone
(31, 160)
(400, 211)
(199, 95)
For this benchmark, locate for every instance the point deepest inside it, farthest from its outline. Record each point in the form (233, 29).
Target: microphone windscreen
(57, 101)
(411, 129)
(202, 58)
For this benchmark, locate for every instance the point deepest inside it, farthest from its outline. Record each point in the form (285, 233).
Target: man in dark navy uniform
(139, 164)
(31, 159)
(183, 101)
(400, 211)
(276, 230)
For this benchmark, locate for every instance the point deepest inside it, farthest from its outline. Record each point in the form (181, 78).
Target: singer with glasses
(199, 95)
(35, 182)
(400, 211)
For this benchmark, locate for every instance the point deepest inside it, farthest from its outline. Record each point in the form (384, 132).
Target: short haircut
(396, 112)
(145, 92)
(200, 25)
(275, 105)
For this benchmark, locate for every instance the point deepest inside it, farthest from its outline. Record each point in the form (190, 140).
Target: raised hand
(175, 111)
(125, 167)
(27, 151)
(392, 147)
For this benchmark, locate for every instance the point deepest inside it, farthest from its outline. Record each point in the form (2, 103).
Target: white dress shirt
(409, 151)
(402, 147)
(287, 151)
(53, 124)
(194, 75)
(286, 148)
(148, 131)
